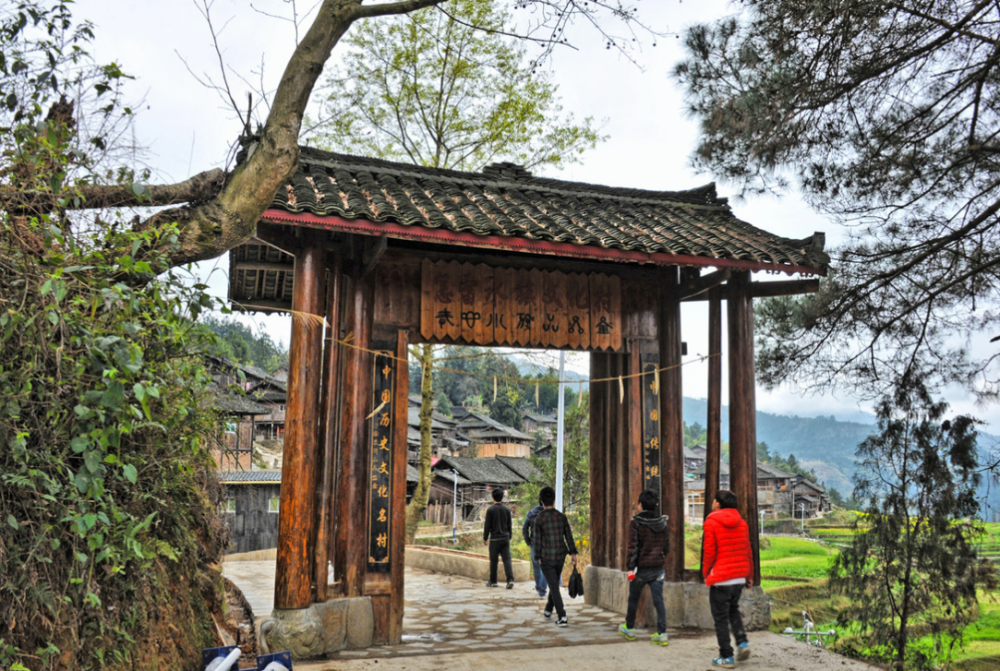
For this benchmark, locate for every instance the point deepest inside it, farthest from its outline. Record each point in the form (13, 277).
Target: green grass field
(795, 570)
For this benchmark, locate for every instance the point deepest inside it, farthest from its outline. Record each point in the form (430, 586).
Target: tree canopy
(886, 116)
(448, 90)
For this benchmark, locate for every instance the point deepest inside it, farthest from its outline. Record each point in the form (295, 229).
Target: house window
(229, 505)
(272, 504)
(281, 408)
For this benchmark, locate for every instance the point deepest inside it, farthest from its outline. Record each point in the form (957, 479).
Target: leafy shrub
(106, 532)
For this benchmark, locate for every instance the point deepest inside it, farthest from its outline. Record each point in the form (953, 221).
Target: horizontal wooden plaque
(485, 305)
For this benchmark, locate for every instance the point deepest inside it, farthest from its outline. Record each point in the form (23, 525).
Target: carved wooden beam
(262, 265)
(766, 289)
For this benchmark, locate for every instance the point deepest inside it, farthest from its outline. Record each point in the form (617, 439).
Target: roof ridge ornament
(506, 170)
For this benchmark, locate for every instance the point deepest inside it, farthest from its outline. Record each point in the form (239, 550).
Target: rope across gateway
(347, 342)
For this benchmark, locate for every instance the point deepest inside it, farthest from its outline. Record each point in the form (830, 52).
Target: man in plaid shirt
(552, 540)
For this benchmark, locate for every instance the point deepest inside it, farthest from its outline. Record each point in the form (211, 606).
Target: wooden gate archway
(370, 256)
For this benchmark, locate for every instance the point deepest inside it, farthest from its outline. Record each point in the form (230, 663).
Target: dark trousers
(552, 574)
(725, 603)
(500, 549)
(536, 568)
(654, 578)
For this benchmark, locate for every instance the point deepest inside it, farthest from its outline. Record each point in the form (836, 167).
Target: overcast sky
(187, 128)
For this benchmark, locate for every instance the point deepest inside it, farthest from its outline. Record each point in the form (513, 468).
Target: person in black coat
(496, 534)
(648, 545)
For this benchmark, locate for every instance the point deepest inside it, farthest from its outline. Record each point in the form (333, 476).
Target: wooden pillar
(350, 549)
(742, 408)
(598, 460)
(398, 541)
(330, 405)
(713, 437)
(671, 421)
(300, 463)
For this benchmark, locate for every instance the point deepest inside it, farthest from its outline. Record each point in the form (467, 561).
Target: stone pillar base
(320, 629)
(686, 602)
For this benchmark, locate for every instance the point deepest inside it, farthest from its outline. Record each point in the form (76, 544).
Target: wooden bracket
(701, 285)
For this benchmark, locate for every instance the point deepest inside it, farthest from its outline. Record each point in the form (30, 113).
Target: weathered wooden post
(743, 407)
(300, 465)
(671, 420)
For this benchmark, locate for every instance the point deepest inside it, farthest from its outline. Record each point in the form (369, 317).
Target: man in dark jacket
(648, 544)
(496, 534)
(552, 540)
(536, 568)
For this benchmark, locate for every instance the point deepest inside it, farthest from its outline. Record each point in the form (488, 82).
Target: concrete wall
(466, 564)
(687, 602)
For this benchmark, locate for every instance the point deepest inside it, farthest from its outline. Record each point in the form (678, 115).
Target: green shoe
(659, 639)
(629, 634)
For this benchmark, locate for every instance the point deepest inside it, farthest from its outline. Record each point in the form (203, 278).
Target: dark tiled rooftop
(506, 201)
(249, 477)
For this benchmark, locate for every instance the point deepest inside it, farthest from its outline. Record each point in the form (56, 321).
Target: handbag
(575, 587)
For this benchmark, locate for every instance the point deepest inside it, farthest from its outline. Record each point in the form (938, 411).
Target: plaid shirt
(552, 538)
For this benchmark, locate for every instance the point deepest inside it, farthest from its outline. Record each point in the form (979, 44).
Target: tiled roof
(250, 477)
(234, 404)
(483, 426)
(508, 202)
(521, 466)
(769, 471)
(488, 471)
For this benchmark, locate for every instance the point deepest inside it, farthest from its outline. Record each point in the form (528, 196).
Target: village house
(778, 493)
(250, 509)
(482, 475)
(536, 422)
(490, 438)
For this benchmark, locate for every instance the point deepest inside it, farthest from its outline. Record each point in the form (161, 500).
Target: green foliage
(885, 114)
(238, 342)
(104, 468)
(447, 92)
(913, 560)
(576, 472)
(106, 534)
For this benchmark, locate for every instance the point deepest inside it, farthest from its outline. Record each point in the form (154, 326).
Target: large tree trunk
(418, 504)
(221, 210)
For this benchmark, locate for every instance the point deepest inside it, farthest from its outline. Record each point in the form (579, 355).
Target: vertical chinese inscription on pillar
(380, 468)
(651, 424)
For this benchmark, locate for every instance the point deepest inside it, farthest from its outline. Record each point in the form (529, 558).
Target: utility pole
(802, 507)
(454, 507)
(760, 529)
(560, 433)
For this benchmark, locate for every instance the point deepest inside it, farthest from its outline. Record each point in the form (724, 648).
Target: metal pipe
(560, 433)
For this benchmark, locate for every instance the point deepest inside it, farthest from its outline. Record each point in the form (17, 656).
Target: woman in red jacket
(727, 567)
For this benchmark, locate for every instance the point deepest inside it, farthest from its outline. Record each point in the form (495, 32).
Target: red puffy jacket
(726, 544)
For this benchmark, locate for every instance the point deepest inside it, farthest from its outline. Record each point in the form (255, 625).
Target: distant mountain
(827, 446)
(822, 444)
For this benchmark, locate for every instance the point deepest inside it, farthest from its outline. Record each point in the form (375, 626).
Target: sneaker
(547, 614)
(724, 663)
(491, 584)
(659, 639)
(629, 634)
(562, 622)
(542, 595)
(743, 651)
(510, 584)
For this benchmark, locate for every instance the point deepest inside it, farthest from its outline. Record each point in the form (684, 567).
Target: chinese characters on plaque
(379, 519)
(483, 305)
(651, 464)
